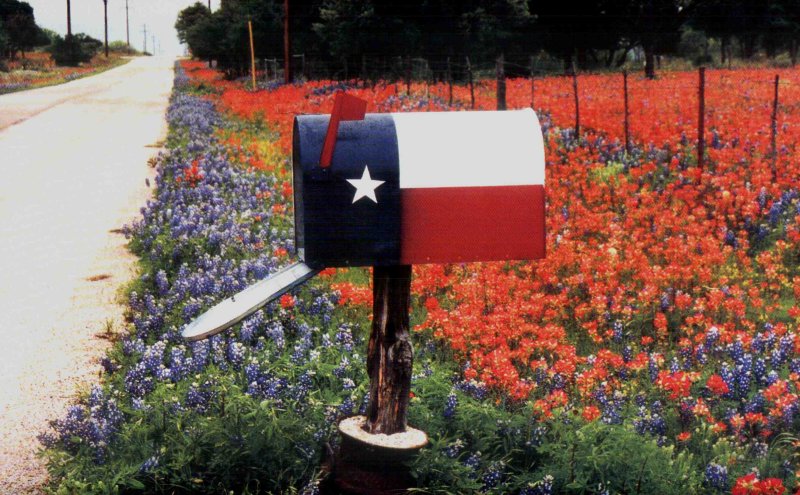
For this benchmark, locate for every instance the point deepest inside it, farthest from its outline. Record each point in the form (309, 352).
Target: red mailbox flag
(345, 107)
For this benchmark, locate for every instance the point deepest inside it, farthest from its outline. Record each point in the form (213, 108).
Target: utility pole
(287, 46)
(127, 26)
(145, 38)
(69, 19)
(105, 19)
(153, 36)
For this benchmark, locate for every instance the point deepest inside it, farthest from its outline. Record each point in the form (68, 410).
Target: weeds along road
(73, 164)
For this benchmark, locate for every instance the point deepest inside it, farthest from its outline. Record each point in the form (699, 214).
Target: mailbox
(403, 189)
(420, 187)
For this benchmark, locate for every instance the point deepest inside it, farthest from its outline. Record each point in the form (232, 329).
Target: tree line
(19, 33)
(581, 34)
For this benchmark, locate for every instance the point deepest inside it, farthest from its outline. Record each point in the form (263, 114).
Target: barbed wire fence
(636, 99)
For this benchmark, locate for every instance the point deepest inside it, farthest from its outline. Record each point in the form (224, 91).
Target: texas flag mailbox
(421, 187)
(403, 189)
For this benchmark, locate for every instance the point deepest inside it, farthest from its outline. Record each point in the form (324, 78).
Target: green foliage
(18, 28)
(74, 50)
(189, 17)
(617, 459)
(4, 40)
(591, 35)
(123, 48)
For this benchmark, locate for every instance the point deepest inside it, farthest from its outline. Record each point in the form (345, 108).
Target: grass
(37, 70)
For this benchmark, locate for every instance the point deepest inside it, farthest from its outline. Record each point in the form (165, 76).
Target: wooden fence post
(408, 75)
(627, 114)
(533, 84)
(471, 85)
(701, 121)
(252, 55)
(501, 83)
(577, 102)
(449, 83)
(390, 356)
(774, 130)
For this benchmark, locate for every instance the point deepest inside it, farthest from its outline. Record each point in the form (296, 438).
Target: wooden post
(389, 356)
(774, 129)
(252, 55)
(533, 84)
(105, 20)
(501, 83)
(577, 103)
(69, 19)
(627, 114)
(449, 83)
(408, 75)
(128, 26)
(701, 121)
(471, 84)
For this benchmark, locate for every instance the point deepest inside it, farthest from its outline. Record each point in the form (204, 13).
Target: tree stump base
(373, 464)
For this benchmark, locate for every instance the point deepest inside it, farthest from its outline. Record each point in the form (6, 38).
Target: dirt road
(73, 164)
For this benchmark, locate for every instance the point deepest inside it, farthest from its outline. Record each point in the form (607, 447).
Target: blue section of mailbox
(330, 228)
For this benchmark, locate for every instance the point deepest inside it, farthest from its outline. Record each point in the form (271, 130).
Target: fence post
(471, 85)
(577, 102)
(627, 114)
(774, 129)
(408, 75)
(449, 83)
(252, 55)
(501, 83)
(533, 84)
(701, 122)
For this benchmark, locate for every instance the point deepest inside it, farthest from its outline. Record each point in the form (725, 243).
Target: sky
(87, 17)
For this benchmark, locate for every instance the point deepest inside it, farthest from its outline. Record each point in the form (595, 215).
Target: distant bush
(74, 50)
(123, 48)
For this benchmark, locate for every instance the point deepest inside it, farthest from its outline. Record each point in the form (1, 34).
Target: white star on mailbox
(365, 186)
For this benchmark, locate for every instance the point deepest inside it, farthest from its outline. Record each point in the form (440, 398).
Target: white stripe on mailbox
(469, 149)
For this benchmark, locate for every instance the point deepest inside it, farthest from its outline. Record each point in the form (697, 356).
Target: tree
(20, 27)
(655, 25)
(782, 27)
(74, 50)
(189, 17)
(3, 41)
(347, 27)
(569, 29)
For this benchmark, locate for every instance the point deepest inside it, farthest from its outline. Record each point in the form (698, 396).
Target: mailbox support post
(390, 355)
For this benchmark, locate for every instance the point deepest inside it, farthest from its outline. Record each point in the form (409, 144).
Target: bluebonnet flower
(473, 461)
(716, 476)
(454, 449)
(450, 406)
(150, 465)
(617, 331)
(493, 476)
(759, 450)
(198, 397)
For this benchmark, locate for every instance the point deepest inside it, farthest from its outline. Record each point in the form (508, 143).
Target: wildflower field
(37, 70)
(654, 351)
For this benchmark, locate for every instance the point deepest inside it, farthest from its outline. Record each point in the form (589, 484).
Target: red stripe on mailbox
(460, 224)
